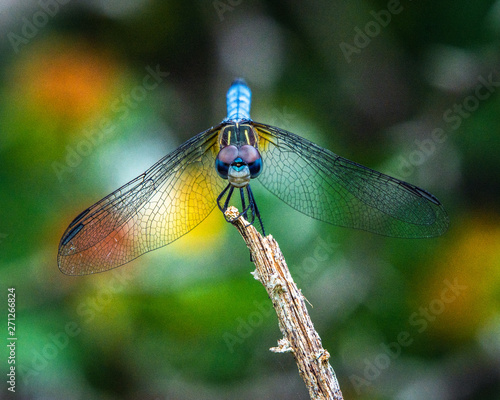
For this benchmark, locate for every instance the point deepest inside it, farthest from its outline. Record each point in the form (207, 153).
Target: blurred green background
(408, 88)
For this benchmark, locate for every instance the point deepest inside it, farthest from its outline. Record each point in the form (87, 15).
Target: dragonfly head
(238, 164)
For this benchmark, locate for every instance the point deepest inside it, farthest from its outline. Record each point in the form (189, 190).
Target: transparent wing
(149, 212)
(330, 188)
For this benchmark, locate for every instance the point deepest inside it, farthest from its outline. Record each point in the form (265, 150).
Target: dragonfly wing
(151, 211)
(330, 188)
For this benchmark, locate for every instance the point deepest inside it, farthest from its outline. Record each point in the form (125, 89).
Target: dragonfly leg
(242, 195)
(228, 198)
(243, 204)
(255, 210)
(251, 205)
(226, 202)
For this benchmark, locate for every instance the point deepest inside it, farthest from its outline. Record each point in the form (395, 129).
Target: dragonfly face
(180, 190)
(239, 159)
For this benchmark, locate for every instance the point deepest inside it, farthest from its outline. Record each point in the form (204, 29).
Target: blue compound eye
(222, 168)
(224, 159)
(255, 168)
(251, 156)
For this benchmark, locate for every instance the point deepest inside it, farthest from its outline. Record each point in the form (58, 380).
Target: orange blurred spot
(472, 261)
(71, 81)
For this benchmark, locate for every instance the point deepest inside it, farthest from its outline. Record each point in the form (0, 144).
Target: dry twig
(299, 335)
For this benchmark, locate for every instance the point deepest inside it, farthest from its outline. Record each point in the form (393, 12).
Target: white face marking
(239, 178)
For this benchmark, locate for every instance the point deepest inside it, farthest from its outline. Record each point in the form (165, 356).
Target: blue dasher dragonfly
(179, 191)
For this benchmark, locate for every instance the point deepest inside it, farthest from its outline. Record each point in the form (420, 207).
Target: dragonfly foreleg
(243, 204)
(221, 196)
(255, 210)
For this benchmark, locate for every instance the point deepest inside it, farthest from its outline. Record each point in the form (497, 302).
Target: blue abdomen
(238, 100)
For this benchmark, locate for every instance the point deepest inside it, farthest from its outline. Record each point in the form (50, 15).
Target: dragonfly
(178, 192)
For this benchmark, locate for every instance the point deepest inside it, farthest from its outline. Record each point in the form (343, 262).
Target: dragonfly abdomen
(238, 100)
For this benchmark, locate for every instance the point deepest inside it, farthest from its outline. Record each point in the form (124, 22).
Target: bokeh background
(408, 88)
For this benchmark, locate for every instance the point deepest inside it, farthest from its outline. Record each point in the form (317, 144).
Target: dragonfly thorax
(238, 134)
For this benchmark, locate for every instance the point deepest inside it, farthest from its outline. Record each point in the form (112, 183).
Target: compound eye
(222, 169)
(255, 168)
(224, 159)
(249, 154)
(228, 154)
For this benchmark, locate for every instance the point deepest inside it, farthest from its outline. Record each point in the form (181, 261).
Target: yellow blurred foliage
(472, 261)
